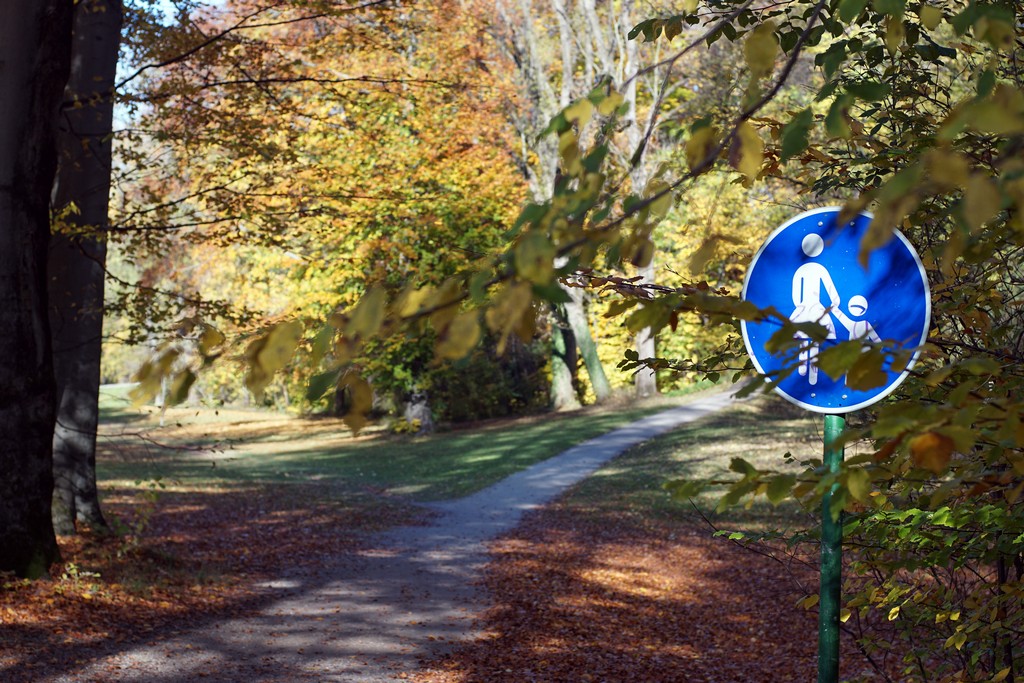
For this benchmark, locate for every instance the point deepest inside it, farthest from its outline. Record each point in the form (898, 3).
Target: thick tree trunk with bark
(77, 259)
(35, 40)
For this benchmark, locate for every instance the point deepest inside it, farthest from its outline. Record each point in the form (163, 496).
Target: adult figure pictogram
(808, 282)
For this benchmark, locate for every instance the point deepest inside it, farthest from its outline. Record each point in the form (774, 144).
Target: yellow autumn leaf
(638, 250)
(508, 308)
(569, 151)
(412, 299)
(579, 112)
(998, 33)
(659, 208)
(700, 144)
(808, 602)
(751, 153)
(894, 34)
(210, 339)
(535, 257)
(858, 483)
(278, 346)
(369, 314)
(180, 386)
(149, 378)
(930, 16)
(610, 103)
(460, 337)
(760, 50)
(982, 201)
(360, 396)
(444, 300)
(946, 168)
(956, 640)
(702, 254)
(931, 451)
(1002, 113)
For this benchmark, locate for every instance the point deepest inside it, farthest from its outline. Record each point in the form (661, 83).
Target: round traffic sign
(808, 271)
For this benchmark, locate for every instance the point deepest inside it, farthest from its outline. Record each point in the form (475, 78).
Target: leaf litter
(584, 598)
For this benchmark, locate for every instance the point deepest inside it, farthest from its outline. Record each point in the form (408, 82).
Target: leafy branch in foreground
(919, 116)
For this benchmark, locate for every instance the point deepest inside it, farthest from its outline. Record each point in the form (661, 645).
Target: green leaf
(673, 27)
(779, 487)
(851, 9)
(986, 83)
(682, 489)
(836, 360)
(866, 373)
(894, 8)
(319, 384)
(741, 466)
(870, 91)
(321, 344)
(795, 135)
(835, 121)
(832, 58)
(180, 386)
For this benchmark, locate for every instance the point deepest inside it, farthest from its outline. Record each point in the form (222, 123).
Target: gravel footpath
(410, 594)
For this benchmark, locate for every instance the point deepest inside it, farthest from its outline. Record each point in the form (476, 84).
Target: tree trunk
(77, 259)
(563, 363)
(646, 380)
(580, 327)
(35, 41)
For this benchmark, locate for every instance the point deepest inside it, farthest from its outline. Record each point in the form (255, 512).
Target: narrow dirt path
(410, 595)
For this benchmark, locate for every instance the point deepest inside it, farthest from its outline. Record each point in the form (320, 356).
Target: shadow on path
(411, 594)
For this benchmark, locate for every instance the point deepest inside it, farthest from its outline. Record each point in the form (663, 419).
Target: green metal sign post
(813, 266)
(831, 561)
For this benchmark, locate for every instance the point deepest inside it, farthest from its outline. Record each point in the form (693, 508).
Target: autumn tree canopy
(912, 110)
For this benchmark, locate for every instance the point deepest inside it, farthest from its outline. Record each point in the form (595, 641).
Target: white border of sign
(913, 360)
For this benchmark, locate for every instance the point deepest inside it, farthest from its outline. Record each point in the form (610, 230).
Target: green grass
(438, 467)
(115, 406)
(761, 431)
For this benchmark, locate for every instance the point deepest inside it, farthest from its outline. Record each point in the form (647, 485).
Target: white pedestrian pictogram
(808, 281)
(810, 270)
(859, 328)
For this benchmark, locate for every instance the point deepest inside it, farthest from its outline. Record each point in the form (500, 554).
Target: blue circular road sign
(808, 270)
